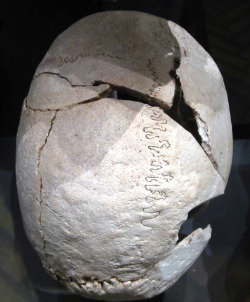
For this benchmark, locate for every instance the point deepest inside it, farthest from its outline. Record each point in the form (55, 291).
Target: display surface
(105, 183)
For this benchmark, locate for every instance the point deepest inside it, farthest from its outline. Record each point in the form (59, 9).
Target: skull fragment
(108, 162)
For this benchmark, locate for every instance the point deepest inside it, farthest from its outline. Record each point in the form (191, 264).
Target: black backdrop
(27, 29)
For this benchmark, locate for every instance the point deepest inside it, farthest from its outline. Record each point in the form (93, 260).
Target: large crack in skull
(120, 139)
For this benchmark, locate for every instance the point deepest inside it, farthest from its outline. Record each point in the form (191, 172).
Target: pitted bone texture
(105, 184)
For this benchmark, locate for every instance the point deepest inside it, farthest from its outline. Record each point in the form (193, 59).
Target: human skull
(105, 183)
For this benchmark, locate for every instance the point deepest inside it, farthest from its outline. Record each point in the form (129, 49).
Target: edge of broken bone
(181, 258)
(51, 91)
(197, 69)
(209, 102)
(163, 274)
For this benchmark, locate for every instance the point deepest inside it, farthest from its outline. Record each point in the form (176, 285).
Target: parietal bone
(104, 183)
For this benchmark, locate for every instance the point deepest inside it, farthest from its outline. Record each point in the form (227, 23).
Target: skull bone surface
(107, 166)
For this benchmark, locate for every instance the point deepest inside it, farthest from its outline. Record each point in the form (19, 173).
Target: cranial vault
(125, 129)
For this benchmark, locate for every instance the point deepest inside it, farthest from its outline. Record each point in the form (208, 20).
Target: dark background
(27, 29)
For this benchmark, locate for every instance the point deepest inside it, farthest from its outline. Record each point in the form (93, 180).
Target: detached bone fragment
(105, 183)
